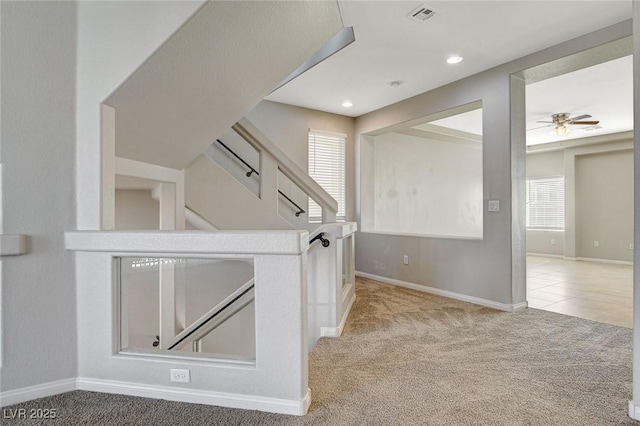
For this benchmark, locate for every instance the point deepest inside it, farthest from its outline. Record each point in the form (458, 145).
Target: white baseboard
(584, 259)
(337, 331)
(38, 391)
(248, 402)
(552, 256)
(445, 293)
(634, 411)
(221, 399)
(615, 262)
(520, 306)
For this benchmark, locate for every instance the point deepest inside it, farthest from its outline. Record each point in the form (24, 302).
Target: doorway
(579, 185)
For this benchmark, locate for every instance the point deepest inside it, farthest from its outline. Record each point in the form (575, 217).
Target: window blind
(545, 203)
(327, 168)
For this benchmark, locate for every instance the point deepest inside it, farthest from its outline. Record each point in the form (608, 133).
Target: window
(326, 166)
(545, 203)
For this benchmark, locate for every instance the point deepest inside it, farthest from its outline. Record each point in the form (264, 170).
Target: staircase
(158, 128)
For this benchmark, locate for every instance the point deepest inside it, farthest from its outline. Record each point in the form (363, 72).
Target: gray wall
(135, 209)
(599, 189)
(491, 269)
(604, 205)
(38, 198)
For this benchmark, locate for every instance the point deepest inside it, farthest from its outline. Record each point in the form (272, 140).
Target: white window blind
(326, 166)
(545, 203)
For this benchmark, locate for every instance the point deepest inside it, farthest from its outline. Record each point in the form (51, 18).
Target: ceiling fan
(561, 120)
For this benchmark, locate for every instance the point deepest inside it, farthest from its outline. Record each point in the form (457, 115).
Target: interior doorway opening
(579, 184)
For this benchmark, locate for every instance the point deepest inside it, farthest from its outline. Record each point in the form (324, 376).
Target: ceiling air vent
(422, 13)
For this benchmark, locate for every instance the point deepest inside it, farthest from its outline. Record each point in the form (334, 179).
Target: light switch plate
(494, 205)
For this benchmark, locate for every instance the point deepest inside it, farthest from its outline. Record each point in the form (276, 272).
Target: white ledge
(189, 242)
(13, 245)
(339, 229)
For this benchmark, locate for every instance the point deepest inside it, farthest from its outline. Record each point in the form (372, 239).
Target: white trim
(593, 259)
(634, 411)
(197, 396)
(552, 256)
(409, 234)
(37, 391)
(520, 306)
(337, 331)
(445, 293)
(13, 245)
(142, 170)
(198, 221)
(586, 259)
(190, 242)
(328, 133)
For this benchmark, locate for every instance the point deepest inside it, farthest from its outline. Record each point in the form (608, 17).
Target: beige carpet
(410, 358)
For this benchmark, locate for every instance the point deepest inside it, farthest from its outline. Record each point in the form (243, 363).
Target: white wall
(136, 209)
(37, 138)
(426, 186)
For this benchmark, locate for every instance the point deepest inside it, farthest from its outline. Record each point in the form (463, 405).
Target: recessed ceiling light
(455, 59)
(347, 104)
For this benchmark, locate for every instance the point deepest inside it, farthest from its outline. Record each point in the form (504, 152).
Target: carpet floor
(408, 357)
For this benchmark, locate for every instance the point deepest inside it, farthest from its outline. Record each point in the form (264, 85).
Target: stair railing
(215, 317)
(289, 168)
(252, 171)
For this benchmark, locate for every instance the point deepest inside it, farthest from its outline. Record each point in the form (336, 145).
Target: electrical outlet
(180, 376)
(553, 241)
(596, 243)
(630, 246)
(405, 259)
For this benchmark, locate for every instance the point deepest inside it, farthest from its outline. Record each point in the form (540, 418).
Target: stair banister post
(328, 216)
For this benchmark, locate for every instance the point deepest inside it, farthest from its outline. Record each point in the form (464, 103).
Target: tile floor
(596, 291)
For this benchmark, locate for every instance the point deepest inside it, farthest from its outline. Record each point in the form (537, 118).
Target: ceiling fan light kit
(561, 120)
(560, 130)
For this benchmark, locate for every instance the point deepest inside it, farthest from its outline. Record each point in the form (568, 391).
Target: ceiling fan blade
(541, 127)
(591, 123)
(580, 117)
(545, 122)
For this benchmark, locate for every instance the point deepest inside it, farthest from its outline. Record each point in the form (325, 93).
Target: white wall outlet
(180, 375)
(494, 205)
(553, 241)
(630, 246)
(405, 259)
(596, 243)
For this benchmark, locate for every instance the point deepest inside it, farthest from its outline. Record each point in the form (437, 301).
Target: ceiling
(391, 47)
(604, 91)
